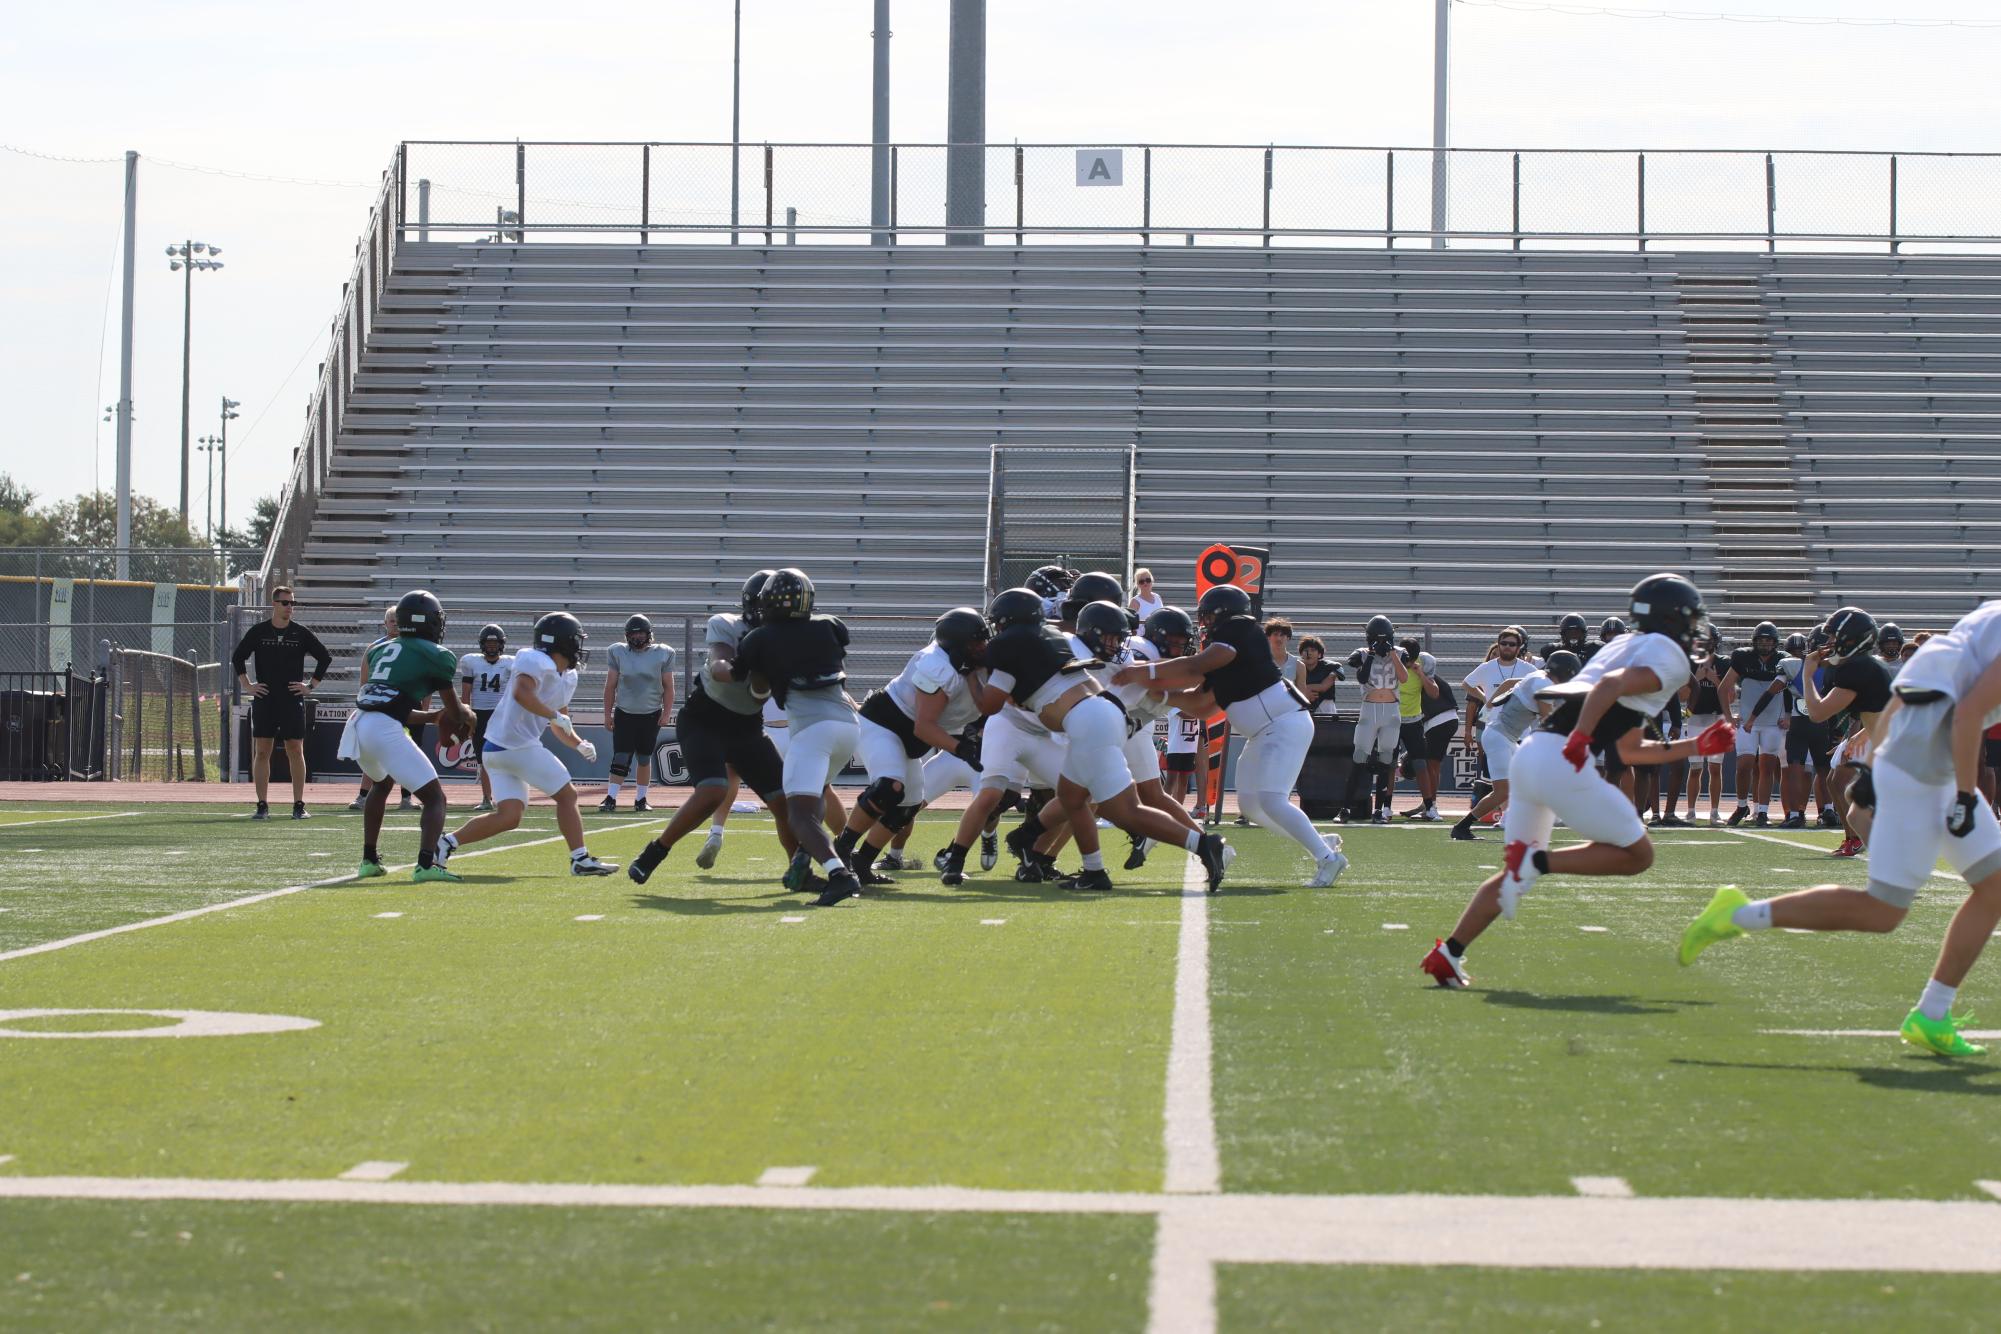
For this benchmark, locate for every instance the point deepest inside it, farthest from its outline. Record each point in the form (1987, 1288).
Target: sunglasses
(283, 602)
(1509, 643)
(1147, 582)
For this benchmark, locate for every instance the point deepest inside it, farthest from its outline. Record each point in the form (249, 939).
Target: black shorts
(1990, 752)
(714, 739)
(1179, 762)
(1410, 741)
(635, 734)
(1806, 739)
(480, 718)
(1438, 740)
(279, 714)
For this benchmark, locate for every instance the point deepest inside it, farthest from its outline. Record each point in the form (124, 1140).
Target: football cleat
(1216, 858)
(486, 804)
(369, 870)
(640, 806)
(299, 811)
(1492, 818)
(589, 865)
(1383, 816)
(1712, 925)
(893, 860)
(1739, 816)
(406, 804)
(1463, 833)
(941, 860)
(1715, 820)
(426, 874)
(1797, 820)
(799, 872)
(1518, 874)
(989, 850)
(1850, 847)
(641, 868)
(1087, 880)
(1029, 872)
(1828, 818)
(1941, 1037)
(1763, 820)
(360, 803)
(838, 887)
(711, 846)
(608, 805)
(1327, 870)
(263, 812)
(1445, 970)
(1136, 858)
(869, 876)
(1431, 814)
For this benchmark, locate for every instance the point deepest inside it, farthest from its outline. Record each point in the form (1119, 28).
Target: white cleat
(712, 847)
(589, 865)
(1327, 870)
(1518, 873)
(1229, 853)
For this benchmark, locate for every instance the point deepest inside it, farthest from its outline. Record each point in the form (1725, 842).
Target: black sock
(1541, 860)
(650, 856)
(369, 854)
(1453, 947)
(424, 859)
(1464, 822)
(844, 844)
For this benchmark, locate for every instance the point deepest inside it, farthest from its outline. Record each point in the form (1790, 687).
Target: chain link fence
(168, 719)
(1211, 193)
(59, 606)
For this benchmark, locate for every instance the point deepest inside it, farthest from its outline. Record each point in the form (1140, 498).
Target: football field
(238, 1090)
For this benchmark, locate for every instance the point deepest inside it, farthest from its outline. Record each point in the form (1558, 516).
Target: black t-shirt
(1031, 654)
(1251, 672)
(1869, 678)
(1750, 667)
(1618, 721)
(1583, 652)
(795, 655)
(1704, 698)
(281, 654)
(1431, 706)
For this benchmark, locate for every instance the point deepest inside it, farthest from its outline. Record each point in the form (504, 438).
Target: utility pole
(210, 446)
(736, 116)
(229, 414)
(124, 482)
(182, 259)
(1441, 87)
(966, 124)
(879, 138)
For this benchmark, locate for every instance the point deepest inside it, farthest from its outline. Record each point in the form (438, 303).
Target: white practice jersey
(930, 671)
(1952, 662)
(513, 727)
(1141, 704)
(1516, 712)
(1667, 659)
(487, 679)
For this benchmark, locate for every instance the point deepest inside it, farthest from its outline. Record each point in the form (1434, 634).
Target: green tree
(91, 520)
(20, 524)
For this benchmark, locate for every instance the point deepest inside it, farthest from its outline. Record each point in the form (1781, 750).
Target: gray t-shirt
(727, 629)
(639, 671)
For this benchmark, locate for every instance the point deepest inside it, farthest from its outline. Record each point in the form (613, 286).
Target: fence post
(791, 225)
(194, 718)
(1019, 203)
(767, 194)
(1643, 200)
(1515, 213)
(521, 189)
(645, 189)
(402, 183)
(1267, 210)
(1146, 195)
(893, 165)
(44, 660)
(1389, 199)
(1895, 244)
(1771, 206)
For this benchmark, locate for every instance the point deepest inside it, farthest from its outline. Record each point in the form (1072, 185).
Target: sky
(324, 93)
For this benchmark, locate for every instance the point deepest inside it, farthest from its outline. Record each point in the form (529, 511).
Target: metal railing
(1215, 193)
(374, 253)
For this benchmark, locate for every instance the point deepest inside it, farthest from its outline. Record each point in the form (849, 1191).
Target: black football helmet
(963, 634)
(1610, 629)
(638, 625)
(1887, 634)
(1097, 586)
(750, 599)
(1667, 604)
(419, 613)
(1379, 630)
(1102, 627)
(1764, 631)
(1222, 602)
(1015, 606)
(494, 635)
(786, 596)
(1171, 631)
(1571, 632)
(560, 632)
(1796, 644)
(1050, 581)
(1851, 632)
(1562, 665)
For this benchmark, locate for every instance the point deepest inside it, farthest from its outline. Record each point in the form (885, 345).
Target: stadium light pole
(1441, 89)
(879, 150)
(210, 446)
(736, 115)
(183, 259)
(229, 414)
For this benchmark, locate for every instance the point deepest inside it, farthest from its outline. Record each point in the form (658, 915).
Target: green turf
(1291, 1297)
(205, 1266)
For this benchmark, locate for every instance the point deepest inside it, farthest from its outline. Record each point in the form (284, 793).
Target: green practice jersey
(400, 674)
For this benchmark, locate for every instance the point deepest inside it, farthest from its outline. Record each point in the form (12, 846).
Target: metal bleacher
(1458, 438)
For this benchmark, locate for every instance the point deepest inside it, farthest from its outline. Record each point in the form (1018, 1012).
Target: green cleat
(1713, 924)
(1941, 1037)
(797, 874)
(368, 870)
(425, 873)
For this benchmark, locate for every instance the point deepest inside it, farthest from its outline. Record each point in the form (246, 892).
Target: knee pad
(880, 798)
(621, 764)
(898, 818)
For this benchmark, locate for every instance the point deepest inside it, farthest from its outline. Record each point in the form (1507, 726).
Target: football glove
(969, 750)
(1959, 820)
(1716, 739)
(587, 750)
(1577, 749)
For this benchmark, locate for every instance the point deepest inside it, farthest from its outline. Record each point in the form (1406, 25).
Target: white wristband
(1149, 671)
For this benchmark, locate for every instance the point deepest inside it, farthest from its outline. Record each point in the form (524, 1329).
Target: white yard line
(190, 914)
(1603, 1188)
(1810, 847)
(1193, 1166)
(66, 819)
(786, 1176)
(373, 1171)
(1979, 1033)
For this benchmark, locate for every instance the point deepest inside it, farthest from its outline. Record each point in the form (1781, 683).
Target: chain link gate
(1060, 504)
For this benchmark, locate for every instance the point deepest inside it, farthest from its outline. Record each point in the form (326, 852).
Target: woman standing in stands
(1145, 602)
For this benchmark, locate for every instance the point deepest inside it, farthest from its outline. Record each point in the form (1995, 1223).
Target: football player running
(398, 675)
(537, 699)
(1514, 709)
(1603, 709)
(1234, 671)
(482, 679)
(800, 659)
(924, 710)
(1923, 787)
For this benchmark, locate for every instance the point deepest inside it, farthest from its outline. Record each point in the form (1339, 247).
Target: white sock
(715, 831)
(833, 866)
(1094, 861)
(1764, 808)
(1936, 1000)
(611, 789)
(639, 790)
(578, 854)
(1754, 916)
(1193, 840)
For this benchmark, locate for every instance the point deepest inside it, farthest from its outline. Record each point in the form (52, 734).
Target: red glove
(1716, 738)
(1577, 749)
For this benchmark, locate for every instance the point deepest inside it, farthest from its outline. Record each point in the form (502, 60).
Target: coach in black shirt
(278, 696)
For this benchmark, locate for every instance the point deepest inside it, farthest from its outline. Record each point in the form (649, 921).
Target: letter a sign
(1101, 166)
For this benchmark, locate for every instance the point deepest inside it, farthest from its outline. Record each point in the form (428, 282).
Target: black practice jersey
(1618, 721)
(1869, 677)
(1026, 656)
(1583, 651)
(1251, 672)
(795, 655)
(1704, 698)
(281, 654)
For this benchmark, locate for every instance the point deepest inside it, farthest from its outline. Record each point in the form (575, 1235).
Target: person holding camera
(1379, 669)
